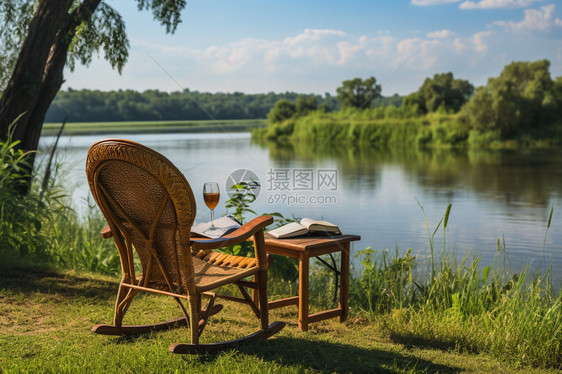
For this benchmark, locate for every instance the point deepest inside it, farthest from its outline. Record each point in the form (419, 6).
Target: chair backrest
(149, 205)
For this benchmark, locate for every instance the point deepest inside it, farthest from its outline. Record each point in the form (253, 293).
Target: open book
(306, 225)
(223, 226)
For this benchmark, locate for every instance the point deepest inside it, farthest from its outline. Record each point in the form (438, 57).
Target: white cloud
(433, 2)
(319, 60)
(535, 20)
(313, 35)
(492, 4)
(441, 34)
(460, 45)
(479, 40)
(327, 53)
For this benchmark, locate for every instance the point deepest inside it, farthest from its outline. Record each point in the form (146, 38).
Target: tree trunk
(38, 74)
(54, 67)
(21, 93)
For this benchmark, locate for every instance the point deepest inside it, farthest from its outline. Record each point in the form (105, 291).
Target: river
(374, 192)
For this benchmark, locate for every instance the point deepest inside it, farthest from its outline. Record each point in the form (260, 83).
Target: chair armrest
(241, 234)
(106, 232)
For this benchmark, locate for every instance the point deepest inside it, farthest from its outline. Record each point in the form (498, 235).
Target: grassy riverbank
(406, 315)
(382, 126)
(47, 315)
(139, 127)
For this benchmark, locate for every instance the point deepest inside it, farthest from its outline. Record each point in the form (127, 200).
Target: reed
(399, 126)
(514, 317)
(42, 226)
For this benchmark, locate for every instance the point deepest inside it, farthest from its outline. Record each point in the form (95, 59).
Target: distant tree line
(153, 105)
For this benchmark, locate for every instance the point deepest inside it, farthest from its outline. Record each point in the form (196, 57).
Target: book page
(224, 225)
(289, 230)
(318, 225)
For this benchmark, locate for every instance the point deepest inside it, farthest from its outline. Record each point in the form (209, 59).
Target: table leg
(344, 282)
(303, 290)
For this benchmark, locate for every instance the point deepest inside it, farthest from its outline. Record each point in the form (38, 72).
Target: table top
(309, 242)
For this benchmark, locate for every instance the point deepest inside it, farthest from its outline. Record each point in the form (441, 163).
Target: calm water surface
(494, 194)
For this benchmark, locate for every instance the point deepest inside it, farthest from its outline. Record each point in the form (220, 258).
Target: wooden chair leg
(194, 316)
(262, 294)
(255, 292)
(125, 296)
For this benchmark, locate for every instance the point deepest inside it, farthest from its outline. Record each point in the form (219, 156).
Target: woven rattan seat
(150, 207)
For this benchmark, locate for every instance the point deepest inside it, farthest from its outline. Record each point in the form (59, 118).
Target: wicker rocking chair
(150, 207)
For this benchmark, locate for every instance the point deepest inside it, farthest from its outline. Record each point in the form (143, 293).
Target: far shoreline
(146, 127)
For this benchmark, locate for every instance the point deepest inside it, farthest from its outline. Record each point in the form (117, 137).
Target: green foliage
(75, 243)
(153, 105)
(358, 93)
(15, 15)
(442, 92)
(105, 30)
(413, 102)
(168, 12)
(385, 283)
(391, 125)
(305, 104)
(282, 111)
(394, 100)
(523, 98)
(21, 217)
(41, 226)
(242, 198)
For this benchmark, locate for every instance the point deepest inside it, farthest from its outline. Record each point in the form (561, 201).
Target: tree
(305, 104)
(39, 47)
(442, 92)
(281, 111)
(523, 97)
(358, 93)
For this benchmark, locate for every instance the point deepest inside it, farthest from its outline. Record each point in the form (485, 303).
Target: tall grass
(515, 317)
(21, 217)
(393, 126)
(42, 226)
(375, 126)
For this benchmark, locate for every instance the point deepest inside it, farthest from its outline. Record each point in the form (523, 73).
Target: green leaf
(485, 275)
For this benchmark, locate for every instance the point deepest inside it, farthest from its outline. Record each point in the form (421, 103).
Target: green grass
(46, 317)
(74, 128)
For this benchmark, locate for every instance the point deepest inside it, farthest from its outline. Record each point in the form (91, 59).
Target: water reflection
(530, 177)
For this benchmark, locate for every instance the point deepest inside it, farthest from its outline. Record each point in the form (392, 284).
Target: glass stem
(212, 218)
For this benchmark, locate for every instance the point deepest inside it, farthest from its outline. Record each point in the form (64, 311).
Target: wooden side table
(303, 249)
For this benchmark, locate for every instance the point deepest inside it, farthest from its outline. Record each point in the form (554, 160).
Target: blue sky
(311, 46)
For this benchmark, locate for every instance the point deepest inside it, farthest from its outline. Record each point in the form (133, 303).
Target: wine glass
(211, 195)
